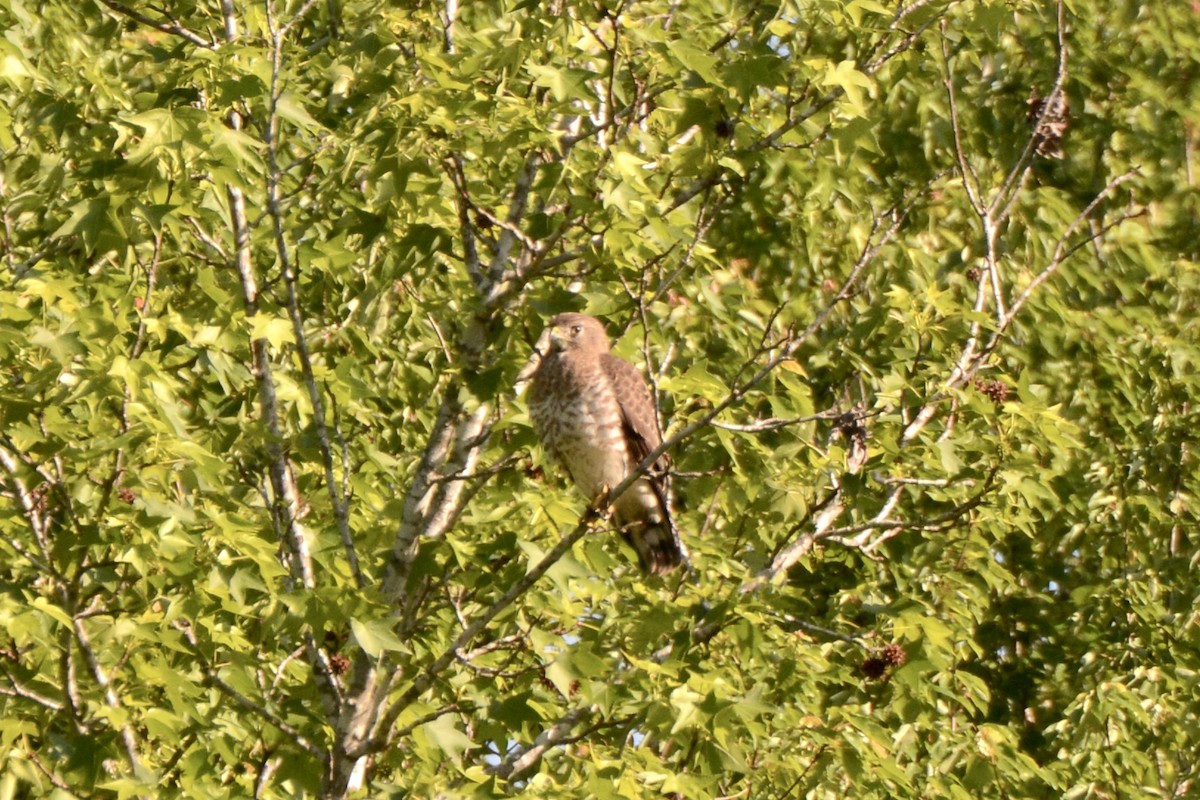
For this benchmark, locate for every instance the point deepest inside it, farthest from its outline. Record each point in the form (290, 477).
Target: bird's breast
(577, 417)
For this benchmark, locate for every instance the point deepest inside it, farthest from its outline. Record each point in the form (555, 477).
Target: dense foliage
(917, 289)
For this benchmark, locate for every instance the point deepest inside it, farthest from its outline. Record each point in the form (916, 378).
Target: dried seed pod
(1049, 116)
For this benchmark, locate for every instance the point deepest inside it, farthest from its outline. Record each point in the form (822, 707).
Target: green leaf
(695, 59)
(376, 636)
(564, 83)
(446, 736)
(289, 108)
(276, 330)
(845, 76)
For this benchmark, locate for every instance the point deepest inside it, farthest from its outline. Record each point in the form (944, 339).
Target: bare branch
(245, 702)
(300, 14)
(70, 680)
(48, 249)
(802, 546)
(468, 446)
(34, 513)
(292, 656)
(522, 758)
(906, 41)
(969, 177)
(465, 206)
(339, 503)
(823, 631)
(425, 719)
(743, 793)
(1061, 251)
(269, 765)
(231, 28)
(883, 521)
(704, 221)
(171, 26)
(267, 714)
(448, 21)
(150, 271)
(938, 482)
(496, 285)
(775, 423)
(420, 489)
(18, 690)
(587, 131)
(426, 677)
(1009, 190)
(111, 699)
(52, 776)
(503, 643)
(503, 465)
(905, 11)
(10, 242)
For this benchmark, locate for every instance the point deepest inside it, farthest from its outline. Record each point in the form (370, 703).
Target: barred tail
(658, 548)
(644, 521)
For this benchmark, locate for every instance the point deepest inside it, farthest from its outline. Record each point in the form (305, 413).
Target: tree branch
(339, 503)
(425, 719)
(967, 172)
(171, 26)
(522, 758)
(1009, 190)
(261, 710)
(426, 677)
(1062, 252)
(33, 517)
(111, 699)
(19, 690)
(52, 776)
(831, 510)
(970, 361)
(775, 423)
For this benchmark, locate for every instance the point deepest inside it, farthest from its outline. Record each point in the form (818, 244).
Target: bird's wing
(653, 536)
(638, 416)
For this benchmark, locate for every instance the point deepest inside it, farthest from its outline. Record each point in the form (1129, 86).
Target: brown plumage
(595, 415)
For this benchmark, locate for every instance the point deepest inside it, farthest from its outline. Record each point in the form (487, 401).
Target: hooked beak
(557, 342)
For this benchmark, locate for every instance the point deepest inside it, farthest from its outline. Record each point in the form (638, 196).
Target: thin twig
(970, 178)
(171, 27)
(775, 423)
(425, 719)
(338, 502)
(426, 677)
(1061, 251)
(54, 778)
(300, 14)
(1009, 190)
(245, 702)
(18, 690)
(126, 732)
(832, 634)
(522, 758)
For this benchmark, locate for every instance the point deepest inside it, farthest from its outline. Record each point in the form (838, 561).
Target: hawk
(595, 415)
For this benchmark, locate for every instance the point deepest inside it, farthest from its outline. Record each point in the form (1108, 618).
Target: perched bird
(595, 415)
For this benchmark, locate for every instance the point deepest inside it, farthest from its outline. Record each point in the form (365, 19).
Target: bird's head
(577, 332)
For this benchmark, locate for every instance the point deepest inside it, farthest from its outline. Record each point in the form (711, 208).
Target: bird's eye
(575, 329)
